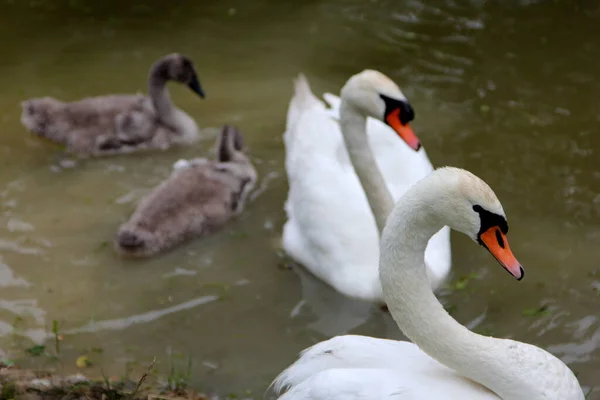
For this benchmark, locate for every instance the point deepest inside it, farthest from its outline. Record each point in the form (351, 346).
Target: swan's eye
(403, 109)
(499, 238)
(398, 114)
(492, 236)
(489, 219)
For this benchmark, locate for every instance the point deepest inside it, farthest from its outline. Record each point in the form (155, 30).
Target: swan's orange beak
(495, 241)
(404, 131)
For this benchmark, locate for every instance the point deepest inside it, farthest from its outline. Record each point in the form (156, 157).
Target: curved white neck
(488, 361)
(354, 131)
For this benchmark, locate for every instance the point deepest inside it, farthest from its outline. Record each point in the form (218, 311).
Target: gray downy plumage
(198, 198)
(118, 124)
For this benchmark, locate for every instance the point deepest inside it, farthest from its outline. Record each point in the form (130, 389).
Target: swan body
(371, 368)
(118, 124)
(329, 228)
(198, 198)
(445, 360)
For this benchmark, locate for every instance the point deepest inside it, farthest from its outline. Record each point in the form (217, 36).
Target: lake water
(510, 92)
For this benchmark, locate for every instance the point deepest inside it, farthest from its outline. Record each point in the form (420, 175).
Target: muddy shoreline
(29, 384)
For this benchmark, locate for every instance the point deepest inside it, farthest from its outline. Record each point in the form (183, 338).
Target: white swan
(329, 228)
(450, 361)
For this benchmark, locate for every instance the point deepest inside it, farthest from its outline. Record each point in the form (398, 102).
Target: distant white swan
(446, 361)
(335, 175)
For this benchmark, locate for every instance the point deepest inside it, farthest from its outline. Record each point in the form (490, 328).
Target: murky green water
(510, 92)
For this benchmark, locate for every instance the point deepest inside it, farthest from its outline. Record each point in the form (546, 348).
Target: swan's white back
(330, 228)
(360, 367)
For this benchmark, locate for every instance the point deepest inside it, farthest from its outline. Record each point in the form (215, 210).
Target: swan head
(470, 206)
(179, 68)
(375, 95)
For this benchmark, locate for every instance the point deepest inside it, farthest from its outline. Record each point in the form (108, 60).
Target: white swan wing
(360, 367)
(351, 351)
(384, 384)
(303, 100)
(329, 228)
(347, 384)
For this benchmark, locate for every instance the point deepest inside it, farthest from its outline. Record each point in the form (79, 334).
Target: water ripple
(577, 352)
(7, 277)
(124, 323)
(13, 246)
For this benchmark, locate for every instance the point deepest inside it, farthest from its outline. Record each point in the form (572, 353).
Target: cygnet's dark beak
(195, 86)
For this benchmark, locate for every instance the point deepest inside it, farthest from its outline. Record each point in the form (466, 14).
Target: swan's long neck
(421, 316)
(160, 98)
(354, 130)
